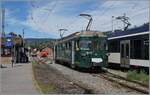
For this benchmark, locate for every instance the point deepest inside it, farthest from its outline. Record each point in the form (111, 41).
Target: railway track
(134, 85)
(139, 87)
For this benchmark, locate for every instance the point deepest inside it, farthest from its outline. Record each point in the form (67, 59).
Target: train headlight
(97, 60)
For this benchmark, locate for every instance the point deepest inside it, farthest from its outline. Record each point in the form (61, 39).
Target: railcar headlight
(97, 60)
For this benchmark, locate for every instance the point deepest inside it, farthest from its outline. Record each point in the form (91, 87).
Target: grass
(141, 76)
(45, 88)
(34, 62)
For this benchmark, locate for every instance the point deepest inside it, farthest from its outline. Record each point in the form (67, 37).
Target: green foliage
(141, 76)
(39, 43)
(34, 62)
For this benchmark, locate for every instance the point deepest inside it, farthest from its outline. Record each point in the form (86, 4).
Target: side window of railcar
(114, 46)
(137, 49)
(63, 46)
(146, 48)
(77, 45)
(96, 45)
(103, 44)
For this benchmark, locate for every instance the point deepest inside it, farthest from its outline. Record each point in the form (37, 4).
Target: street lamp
(62, 31)
(89, 17)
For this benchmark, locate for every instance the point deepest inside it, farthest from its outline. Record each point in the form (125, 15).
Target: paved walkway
(17, 80)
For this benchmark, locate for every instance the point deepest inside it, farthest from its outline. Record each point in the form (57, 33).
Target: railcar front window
(85, 45)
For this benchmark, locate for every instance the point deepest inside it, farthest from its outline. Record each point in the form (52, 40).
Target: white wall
(114, 58)
(138, 62)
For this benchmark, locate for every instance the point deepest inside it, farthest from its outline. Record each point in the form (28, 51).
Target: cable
(128, 12)
(50, 10)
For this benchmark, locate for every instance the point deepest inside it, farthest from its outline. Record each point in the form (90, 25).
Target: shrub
(141, 76)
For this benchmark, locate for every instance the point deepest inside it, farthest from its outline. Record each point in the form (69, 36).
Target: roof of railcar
(132, 31)
(82, 34)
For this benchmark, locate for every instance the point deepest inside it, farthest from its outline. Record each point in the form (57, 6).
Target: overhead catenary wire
(44, 21)
(111, 6)
(105, 23)
(70, 25)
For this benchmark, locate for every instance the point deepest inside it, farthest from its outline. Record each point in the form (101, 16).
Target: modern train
(85, 49)
(129, 48)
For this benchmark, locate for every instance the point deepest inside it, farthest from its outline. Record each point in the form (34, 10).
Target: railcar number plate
(97, 60)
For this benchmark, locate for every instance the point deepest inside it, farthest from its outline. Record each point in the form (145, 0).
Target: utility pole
(2, 18)
(3, 22)
(112, 23)
(23, 40)
(124, 15)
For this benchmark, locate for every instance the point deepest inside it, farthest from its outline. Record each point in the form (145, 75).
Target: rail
(139, 87)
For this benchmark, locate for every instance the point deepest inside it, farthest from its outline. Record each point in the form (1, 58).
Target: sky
(44, 18)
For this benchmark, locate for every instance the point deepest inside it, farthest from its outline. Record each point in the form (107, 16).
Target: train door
(125, 53)
(72, 54)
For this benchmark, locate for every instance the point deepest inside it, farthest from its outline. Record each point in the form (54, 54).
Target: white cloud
(43, 21)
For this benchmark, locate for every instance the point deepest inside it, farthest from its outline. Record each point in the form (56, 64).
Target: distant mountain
(39, 42)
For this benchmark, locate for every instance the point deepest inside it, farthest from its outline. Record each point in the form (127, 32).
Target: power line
(128, 13)
(50, 10)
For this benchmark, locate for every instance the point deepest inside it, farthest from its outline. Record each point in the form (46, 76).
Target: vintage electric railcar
(129, 48)
(84, 49)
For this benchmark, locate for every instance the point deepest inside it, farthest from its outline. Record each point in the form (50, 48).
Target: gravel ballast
(93, 83)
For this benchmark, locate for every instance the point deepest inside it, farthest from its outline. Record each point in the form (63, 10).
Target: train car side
(129, 48)
(77, 53)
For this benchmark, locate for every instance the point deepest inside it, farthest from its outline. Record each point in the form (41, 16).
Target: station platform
(17, 80)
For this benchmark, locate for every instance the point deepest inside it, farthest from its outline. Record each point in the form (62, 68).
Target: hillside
(39, 42)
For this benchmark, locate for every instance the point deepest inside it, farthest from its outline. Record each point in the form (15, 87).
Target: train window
(85, 45)
(114, 46)
(137, 49)
(96, 45)
(67, 46)
(63, 46)
(103, 44)
(70, 45)
(122, 50)
(77, 45)
(146, 49)
(127, 50)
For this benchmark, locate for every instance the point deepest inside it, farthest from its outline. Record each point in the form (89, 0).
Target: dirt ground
(52, 82)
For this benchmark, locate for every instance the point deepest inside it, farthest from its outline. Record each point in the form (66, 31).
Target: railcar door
(125, 53)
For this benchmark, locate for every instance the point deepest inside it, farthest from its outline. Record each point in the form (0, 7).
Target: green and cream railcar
(85, 49)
